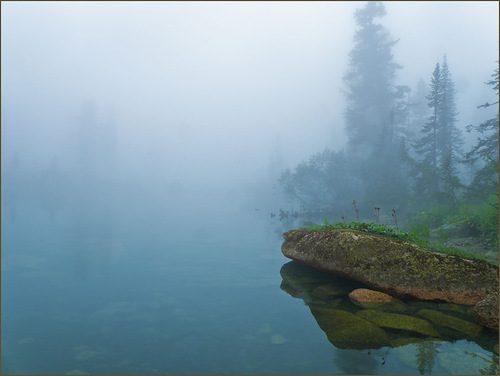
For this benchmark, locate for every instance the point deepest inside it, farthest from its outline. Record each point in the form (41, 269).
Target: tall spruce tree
(418, 111)
(370, 83)
(449, 137)
(486, 149)
(439, 146)
(376, 109)
(426, 168)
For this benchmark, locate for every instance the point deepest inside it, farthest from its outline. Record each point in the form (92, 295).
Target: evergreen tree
(486, 148)
(426, 168)
(376, 112)
(370, 88)
(440, 143)
(449, 136)
(418, 111)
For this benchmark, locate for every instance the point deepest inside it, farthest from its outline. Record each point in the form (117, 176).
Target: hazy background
(141, 148)
(218, 96)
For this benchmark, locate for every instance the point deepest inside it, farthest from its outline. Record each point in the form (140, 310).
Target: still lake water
(93, 288)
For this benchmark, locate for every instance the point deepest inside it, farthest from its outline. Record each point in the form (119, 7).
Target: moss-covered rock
(465, 327)
(391, 265)
(486, 311)
(349, 331)
(397, 321)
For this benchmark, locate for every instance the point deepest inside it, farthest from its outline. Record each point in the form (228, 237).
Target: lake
(92, 284)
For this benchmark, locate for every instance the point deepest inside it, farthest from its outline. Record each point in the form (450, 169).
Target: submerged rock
(465, 327)
(369, 298)
(328, 291)
(486, 311)
(346, 330)
(335, 316)
(394, 266)
(398, 321)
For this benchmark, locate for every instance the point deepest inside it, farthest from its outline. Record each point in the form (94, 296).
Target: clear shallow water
(95, 287)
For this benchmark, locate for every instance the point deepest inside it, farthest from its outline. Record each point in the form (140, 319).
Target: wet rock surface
(392, 324)
(396, 267)
(366, 297)
(486, 311)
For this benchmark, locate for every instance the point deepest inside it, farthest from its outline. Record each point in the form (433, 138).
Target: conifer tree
(370, 86)
(439, 146)
(486, 149)
(426, 168)
(449, 137)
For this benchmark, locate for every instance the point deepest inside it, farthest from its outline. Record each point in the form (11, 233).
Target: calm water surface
(90, 287)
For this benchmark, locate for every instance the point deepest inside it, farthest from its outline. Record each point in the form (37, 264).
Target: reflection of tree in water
(426, 356)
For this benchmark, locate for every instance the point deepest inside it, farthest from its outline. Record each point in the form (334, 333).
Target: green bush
(481, 218)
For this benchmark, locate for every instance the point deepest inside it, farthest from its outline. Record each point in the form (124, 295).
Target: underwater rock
(486, 311)
(311, 285)
(394, 266)
(278, 339)
(346, 330)
(329, 291)
(369, 298)
(468, 328)
(398, 321)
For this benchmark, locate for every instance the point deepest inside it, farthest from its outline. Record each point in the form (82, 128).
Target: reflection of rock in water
(393, 324)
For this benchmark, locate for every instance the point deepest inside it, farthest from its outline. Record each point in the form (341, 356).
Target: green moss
(398, 321)
(468, 328)
(348, 331)
(384, 230)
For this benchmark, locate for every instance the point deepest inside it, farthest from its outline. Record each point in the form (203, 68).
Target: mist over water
(142, 143)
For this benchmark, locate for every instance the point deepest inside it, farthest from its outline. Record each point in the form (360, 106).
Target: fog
(213, 98)
(154, 153)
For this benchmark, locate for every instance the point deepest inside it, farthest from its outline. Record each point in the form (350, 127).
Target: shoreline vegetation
(396, 233)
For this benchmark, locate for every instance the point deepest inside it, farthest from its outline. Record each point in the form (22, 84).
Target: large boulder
(396, 267)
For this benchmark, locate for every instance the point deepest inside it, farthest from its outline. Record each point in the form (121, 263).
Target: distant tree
(370, 84)
(324, 181)
(418, 111)
(426, 147)
(449, 136)
(486, 149)
(438, 150)
(377, 109)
